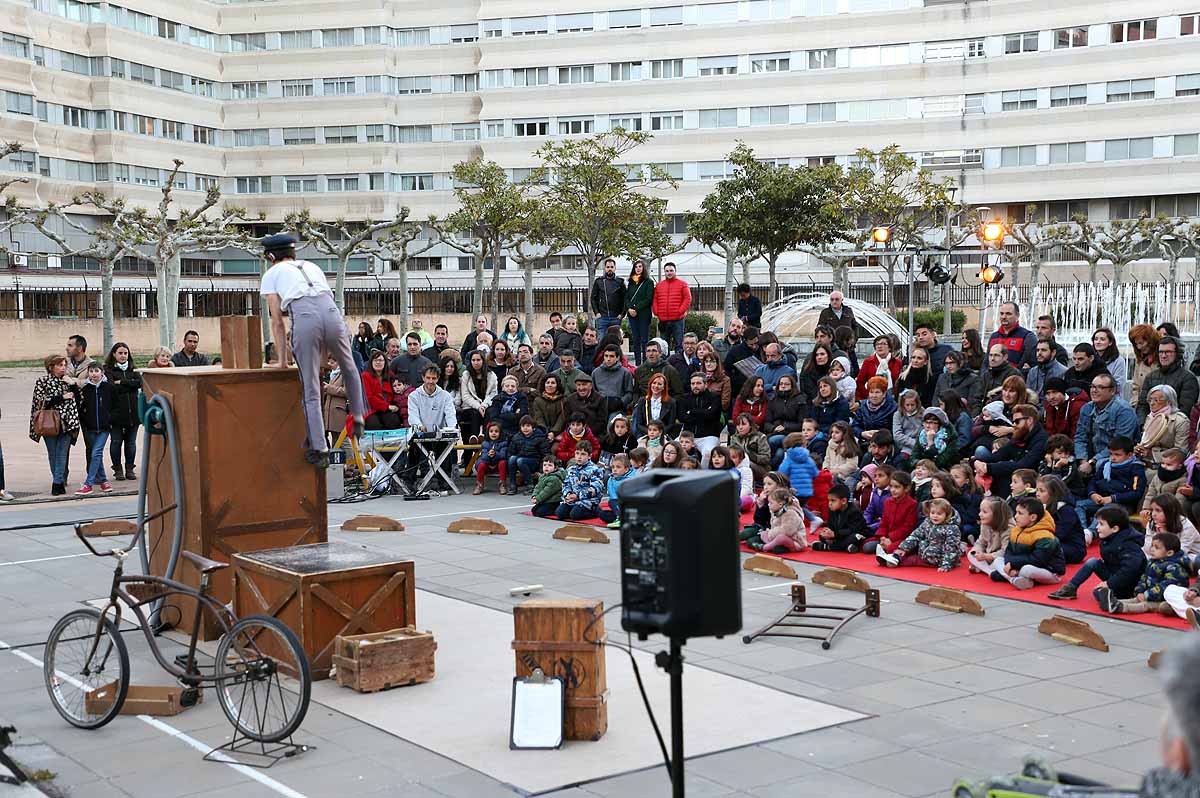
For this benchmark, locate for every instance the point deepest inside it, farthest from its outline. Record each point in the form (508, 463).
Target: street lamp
(992, 233)
(881, 235)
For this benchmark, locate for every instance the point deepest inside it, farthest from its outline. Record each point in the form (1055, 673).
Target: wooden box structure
(380, 660)
(324, 590)
(549, 634)
(246, 485)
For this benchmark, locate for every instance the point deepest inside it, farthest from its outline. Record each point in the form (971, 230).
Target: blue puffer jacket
(880, 418)
(798, 467)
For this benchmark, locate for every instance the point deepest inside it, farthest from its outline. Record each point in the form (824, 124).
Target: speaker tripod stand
(672, 662)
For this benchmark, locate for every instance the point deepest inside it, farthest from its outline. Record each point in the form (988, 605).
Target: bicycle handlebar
(137, 537)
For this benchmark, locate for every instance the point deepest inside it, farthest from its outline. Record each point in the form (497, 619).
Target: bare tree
(1081, 237)
(1175, 239)
(1122, 242)
(1034, 240)
(403, 243)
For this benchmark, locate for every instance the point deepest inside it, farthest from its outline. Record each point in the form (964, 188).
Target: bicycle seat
(203, 564)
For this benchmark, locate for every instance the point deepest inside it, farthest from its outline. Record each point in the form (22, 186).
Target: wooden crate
(246, 485)
(372, 662)
(324, 590)
(549, 634)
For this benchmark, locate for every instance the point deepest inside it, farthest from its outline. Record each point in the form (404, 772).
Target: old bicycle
(260, 673)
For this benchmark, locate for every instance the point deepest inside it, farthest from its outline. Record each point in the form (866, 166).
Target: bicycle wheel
(72, 668)
(263, 679)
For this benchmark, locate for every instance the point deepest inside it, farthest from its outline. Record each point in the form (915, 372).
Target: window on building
(718, 117)
(878, 56)
(203, 39)
(1187, 85)
(1126, 90)
(376, 133)
(1025, 155)
(168, 29)
(583, 73)
(718, 65)
(339, 86)
(1125, 149)
(531, 76)
(141, 73)
(631, 18)
(495, 130)
(251, 91)
(574, 23)
(672, 120)
(493, 28)
(822, 59)
(1070, 152)
(341, 183)
(666, 68)
(973, 104)
(820, 112)
(625, 70)
(298, 88)
(412, 37)
(1075, 94)
(414, 85)
(1068, 38)
(464, 83)
(205, 182)
(944, 105)
(170, 130)
(416, 182)
(761, 115)
(770, 9)
(172, 80)
(14, 45)
(296, 39)
(716, 13)
(529, 26)
(461, 34)
(940, 158)
(76, 64)
(711, 170)
(530, 127)
(1186, 144)
(300, 184)
(663, 17)
(1135, 31)
(202, 88)
(572, 127)
(675, 172)
(468, 132)
(413, 134)
(975, 48)
(146, 176)
(143, 125)
(631, 123)
(75, 117)
(246, 42)
(875, 110)
(120, 120)
(943, 51)
(341, 134)
(337, 37)
(1189, 24)
(299, 135)
(21, 162)
(18, 103)
(1021, 43)
(256, 137)
(775, 62)
(1018, 100)
(1128, 207)
(203, 135)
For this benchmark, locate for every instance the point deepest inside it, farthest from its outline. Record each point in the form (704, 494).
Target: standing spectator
(472, 339)
(1106, 417)
(733, 336)
(434, 351)
(569, 339)
(613, 381)
(1044, 329)
(591, 405)
(838, 314)
(608, 297)
(774, 368)
(884, 363)
(160, 358)
(1144, 339)
(55, 392)
(686, 361)
(126, 382)
(545, 356)
(409, 365)
(479, 387)
(95, 420)
(1017, 341)
(1104, 341)
(1171, 372)
(591, 350)
(188, 356)
(514, 334)
(336, 407)
(529, 374)
(972, 348)
(749, 307)
(927, 339)
(672, 300)
(639, 299)
(656, 363)
(361, 342)
(417, 326)
(1045, 367)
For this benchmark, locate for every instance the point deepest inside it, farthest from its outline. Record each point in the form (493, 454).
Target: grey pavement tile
(836, 675)
(731, 669)
(833, 748)
(747, 768)
(962, 624)
(201, 777)
(1130, 716)
(907, 662)
(775, 658)
(904, 692)
(825, 784)
(986, 754)
(897, 634)
(1025, 638)
(968, 649)
(1116, 655)
(859, 703)
(101, 789)
(655, 781)
(1126, 681)
(976, 678)
(1053, 697)
(793, 686)
(1133, 757)
(249, 789)
(1100, 770)
(908, 773)
(912, 728)
(984, 713)
(1044, 665)
(1068, 735)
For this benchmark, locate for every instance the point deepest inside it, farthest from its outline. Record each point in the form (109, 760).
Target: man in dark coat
(746, 348)
(1171, 372)
(589, 403)
(1086, 366)
(1025, 449)
(995, 372)
(838, 314)
(608, 297)
(1017, 341)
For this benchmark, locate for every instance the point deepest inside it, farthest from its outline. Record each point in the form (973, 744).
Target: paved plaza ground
(946, 695)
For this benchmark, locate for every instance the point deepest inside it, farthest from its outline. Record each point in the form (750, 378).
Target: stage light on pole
(990, 275)
(881, 235)
(993, 232)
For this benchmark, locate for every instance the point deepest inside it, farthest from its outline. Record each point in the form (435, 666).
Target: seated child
(654, 439)
(995, 519)
(687, 439)
(493, 456)
(1166, 515)
(1166, 477)
(547, 493)
(1052, 493)
(844, 528)
(969, 498)
(639, 459)
(814, 440)
(747, 435)
(525, 452)
(798, 467)
(878, 494)
(762, 514)
(1119, 482)
(583, 486)
(1166, 567)
(936, 440)
(620, 472)
(787, 530)
(841, 454)
(741, 465)
(839, 370)
(669, 456)
(936, 543)
(576, 432)
(1033, 555)
(899, 516)
(688, 464)
(618, 440)
(1121, 561)
(1060, 462)
(922, 478)
(1022, 485)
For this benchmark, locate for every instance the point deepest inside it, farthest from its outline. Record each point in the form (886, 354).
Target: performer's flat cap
(279, 241)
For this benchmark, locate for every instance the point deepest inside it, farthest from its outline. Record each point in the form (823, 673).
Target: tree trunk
(106, 297)
(477, 293)
(495, 292)
(1118, 272)
(403, 275)
(591, 279)
(1093, 268)
(174, 266)
(746, 271)
(1035, 269)
(529, 297)
(730, 263)
(339, 281)
(1172, 269)
(891, 273)
(163, 291)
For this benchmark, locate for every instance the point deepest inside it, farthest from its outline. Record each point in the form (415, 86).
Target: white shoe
(887, 560)
(5, 496)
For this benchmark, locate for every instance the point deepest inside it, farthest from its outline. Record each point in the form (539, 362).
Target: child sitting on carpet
(493, 456)
(583, 486)
(899, 516)
(936, 543)
(842, 454)
(1053, 494)
(1060, 462)
(787, 530)
(739, 462)
(798, 467)
(877, 496)
(547, 493)
(1119, 482)
(620, 471)
(814, 440)
(762, 514)
(1121, 561)
(936, 439)
(1166, 515)
(1170, 474)
(688, 464)
(577, 431)
(639, 459)
(995, 519)
(618, 440)
(1166, 567)
(969, 499)
(1022, 485)
(654, 439)
(669, 456)
(844, 529)
(1033, 555)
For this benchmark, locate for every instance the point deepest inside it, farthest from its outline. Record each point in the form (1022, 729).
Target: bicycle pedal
(189, 697)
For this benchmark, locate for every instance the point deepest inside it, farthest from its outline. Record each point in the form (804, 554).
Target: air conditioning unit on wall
(18, 260)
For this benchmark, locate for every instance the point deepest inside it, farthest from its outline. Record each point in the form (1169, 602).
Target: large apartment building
(354, 109)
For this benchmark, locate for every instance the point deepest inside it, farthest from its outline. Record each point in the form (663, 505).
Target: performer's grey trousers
(318, 327)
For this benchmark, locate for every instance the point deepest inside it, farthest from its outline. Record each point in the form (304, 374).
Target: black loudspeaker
(680, 562)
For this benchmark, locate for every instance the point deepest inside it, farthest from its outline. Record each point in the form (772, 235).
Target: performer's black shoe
(316, 458)
(358, 428)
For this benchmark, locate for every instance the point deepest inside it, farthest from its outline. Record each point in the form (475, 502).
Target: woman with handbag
(54, 418)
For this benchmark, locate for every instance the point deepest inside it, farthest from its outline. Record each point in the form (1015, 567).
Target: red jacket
(565, 450)
(757, 410)
(672, 298)
(819, 502)
(377, 394)
(898, 521)
(867, 370)
(1063, 420)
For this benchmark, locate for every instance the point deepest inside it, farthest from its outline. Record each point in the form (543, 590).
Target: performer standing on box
(298, 288)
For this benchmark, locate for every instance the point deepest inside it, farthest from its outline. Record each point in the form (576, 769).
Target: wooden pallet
(841, 579)
(767, 565)
(950, 600)
(581, 533)
(372, 523)
(477, 526)
(373, 662)
(1069, 630)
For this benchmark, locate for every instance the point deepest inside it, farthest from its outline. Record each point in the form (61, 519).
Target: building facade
(354, 110)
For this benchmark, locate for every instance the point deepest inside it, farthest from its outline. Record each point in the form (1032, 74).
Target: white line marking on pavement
(467, 512)
(171, 731)
(771, 587)
(44, 559)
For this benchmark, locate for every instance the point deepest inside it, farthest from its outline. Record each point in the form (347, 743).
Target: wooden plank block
(949, 599)
(477, 526)
(841, 579)
(1069, 630)
(241, 342)
(1155, 660)
(160, 701)
(767, 565)
(581, 533)
(372, 523)
(108, 527)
